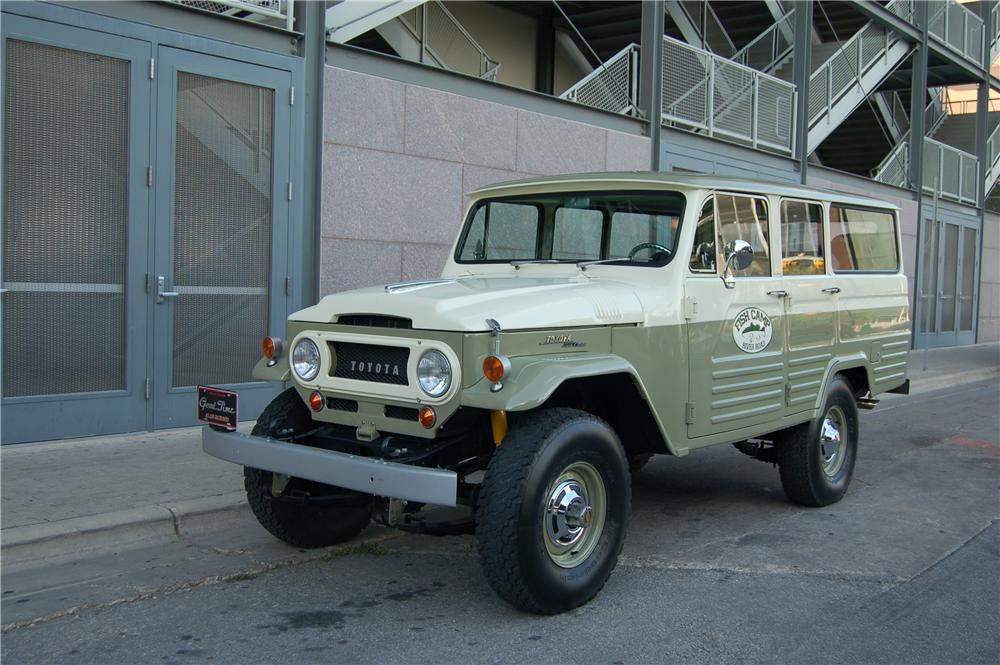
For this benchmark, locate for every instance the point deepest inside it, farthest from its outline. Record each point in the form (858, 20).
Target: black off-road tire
(800, 460)
(512, 501)
(306, 526)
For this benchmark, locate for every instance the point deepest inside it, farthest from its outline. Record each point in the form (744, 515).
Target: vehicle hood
(464, 304)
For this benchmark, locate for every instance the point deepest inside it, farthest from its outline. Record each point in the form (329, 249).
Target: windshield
(639, 228)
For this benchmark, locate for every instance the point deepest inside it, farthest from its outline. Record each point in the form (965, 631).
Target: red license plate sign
(217, 407)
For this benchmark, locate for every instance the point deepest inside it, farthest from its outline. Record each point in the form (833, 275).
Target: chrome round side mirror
(739, 256)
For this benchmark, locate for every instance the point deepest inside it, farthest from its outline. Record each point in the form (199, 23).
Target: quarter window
(745, 218)
(862, 240)
(802, 238)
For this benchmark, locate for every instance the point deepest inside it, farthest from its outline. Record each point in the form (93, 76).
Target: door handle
(162, 295)
(778, 294)
(832, 289)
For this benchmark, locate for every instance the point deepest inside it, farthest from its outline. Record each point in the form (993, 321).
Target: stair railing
(955, 171)
(844, 70)
(894, 169)
(769, 49)
(957, 28)
(992, 157)
(614, 86)
(445, 43)
(710, 94)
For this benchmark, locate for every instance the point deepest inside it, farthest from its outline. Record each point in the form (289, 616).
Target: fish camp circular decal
(752, 330)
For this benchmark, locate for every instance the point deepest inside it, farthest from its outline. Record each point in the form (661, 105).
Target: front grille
(401, 412)
(374, 321)
(338, 404)
(368, 362)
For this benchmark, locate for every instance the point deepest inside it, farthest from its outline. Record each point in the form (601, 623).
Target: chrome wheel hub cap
(574, 515)
(831, 444)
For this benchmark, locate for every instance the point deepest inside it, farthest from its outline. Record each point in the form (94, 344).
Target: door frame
(935, 338)
(77, 414)
(175, 406)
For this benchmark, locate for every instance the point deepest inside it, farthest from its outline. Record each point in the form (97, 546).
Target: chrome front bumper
(361, 474)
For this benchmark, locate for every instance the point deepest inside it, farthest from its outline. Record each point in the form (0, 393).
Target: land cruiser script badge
(752, 330)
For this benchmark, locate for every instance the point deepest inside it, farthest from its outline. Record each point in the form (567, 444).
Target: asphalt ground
(717, 568)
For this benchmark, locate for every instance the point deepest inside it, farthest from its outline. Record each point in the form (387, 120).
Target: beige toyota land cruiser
(582, 324)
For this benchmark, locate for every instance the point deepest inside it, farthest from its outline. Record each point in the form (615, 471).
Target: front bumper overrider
(361, 474)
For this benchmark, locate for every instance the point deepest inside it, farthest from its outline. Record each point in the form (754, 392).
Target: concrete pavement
(77, 498)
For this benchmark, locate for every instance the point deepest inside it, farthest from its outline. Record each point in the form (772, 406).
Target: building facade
(178, 177)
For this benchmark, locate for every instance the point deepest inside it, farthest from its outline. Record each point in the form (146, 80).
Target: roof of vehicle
(688, 181)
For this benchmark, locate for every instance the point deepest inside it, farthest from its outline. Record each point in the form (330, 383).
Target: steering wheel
(647, 245)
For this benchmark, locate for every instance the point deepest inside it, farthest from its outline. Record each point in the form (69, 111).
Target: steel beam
(651, 75)
(801, 69)
(918, 101)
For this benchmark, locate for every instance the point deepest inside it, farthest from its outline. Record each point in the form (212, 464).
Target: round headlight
(305, 359)
(434, 373)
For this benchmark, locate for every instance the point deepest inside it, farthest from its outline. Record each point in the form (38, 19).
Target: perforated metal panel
(65, 220)
(221, 229)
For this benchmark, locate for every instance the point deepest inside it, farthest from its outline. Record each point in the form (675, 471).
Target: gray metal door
(218, 254)
(948, 288)
(75, 127)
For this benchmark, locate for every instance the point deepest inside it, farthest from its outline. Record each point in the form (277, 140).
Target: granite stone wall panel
(352, 264)
(362, 110)
(424, 261)
(374, 195)
(551, 146)
(445, 126)
(626, 152)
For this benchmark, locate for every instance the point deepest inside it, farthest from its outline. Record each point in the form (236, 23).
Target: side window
(501, 231)
(802, 238)
(577, 233)
(745, 218)
(703, 252)
(862, 240)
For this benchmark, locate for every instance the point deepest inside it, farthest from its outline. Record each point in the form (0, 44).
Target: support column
(918, 102)
(310, 20)
(545, 54)
(650, 75)
(801, 70)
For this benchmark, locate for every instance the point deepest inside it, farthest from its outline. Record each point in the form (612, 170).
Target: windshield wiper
(517, 263)
(582, 265)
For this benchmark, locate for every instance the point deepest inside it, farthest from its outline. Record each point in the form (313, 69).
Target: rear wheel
(553, 510)
(342, 516)
(816, 459)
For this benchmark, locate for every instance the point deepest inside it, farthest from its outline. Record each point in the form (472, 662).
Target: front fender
(532, 380)
(280, 371)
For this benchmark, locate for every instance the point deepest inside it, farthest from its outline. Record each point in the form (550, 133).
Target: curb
(108, 532)
(81, 537)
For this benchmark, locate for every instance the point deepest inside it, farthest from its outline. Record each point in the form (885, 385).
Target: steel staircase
(418, 30)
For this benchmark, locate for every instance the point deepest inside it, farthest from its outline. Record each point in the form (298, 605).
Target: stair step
(819, 55)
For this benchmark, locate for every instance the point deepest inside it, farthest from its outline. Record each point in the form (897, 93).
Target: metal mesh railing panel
(950, 169)
(958, 27)
(733, 90)
(931, 165)
(775, 118)
(608, 87)
(685, 84)
(872, 45)
(894, 169)
(222, 228)
(970, 174)
(65, 229)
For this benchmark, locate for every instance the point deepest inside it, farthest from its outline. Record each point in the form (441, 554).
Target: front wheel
(300, 523)
(816, 459)
(553, 510)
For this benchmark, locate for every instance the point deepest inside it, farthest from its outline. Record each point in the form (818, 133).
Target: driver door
(736, 337)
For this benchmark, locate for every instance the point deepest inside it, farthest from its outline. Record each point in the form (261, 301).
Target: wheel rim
(832, 450)
(575, 511)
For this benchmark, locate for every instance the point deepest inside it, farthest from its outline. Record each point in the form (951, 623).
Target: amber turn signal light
(271, 347)
(427, 417)
(495, 368)
(315, 401)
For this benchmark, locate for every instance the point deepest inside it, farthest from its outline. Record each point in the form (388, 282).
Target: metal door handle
(778, 294)
(162, 295)
(832, 289)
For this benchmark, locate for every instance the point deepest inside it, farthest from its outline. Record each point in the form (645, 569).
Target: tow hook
(387, 511)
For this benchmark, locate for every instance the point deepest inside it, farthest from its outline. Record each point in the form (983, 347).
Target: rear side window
(745, 218)
(802, 238)
(862, 240)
